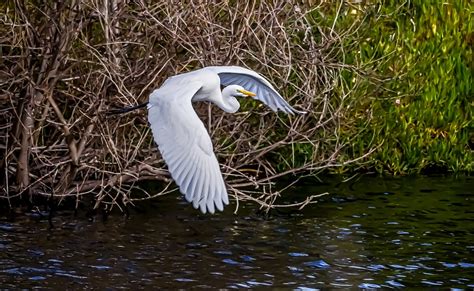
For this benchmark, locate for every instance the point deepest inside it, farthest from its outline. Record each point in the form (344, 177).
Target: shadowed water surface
(371, 233)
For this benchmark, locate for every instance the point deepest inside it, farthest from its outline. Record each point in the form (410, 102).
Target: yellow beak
(248, 93)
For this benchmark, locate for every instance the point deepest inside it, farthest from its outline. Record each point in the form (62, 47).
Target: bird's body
(181, 136)
(209, 80)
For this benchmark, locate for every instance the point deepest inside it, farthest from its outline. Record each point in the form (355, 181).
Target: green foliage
(417, 90)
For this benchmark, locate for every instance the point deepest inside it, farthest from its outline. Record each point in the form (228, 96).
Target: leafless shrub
(64, 64)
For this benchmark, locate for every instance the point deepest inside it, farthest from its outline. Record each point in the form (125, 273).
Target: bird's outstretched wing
(186, 146)
(256, 83)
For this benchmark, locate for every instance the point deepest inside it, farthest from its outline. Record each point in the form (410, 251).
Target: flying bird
(182, 139)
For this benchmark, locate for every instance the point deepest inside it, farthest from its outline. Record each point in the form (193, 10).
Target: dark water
(372, 233)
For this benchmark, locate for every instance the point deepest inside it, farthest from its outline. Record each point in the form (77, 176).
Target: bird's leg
(126, 109)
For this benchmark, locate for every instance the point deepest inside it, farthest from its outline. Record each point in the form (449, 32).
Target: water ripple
(360, 240)
(320, 264)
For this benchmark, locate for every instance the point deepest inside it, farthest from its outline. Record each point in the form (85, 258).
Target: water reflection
(373, 233)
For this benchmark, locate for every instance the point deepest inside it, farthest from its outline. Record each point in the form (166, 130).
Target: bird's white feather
(181, 136)
(186, 146)
(253, 82)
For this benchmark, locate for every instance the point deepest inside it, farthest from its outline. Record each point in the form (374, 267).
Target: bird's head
(229, 94)
(239, 91)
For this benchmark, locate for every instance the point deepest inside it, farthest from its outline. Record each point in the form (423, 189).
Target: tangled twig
(64, 64)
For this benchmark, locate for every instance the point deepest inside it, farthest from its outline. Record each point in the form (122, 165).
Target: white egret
(182, 139)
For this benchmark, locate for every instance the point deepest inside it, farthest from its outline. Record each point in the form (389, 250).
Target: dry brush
(64, 64)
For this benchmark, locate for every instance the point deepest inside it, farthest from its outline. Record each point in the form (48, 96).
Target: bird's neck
(223, 100)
